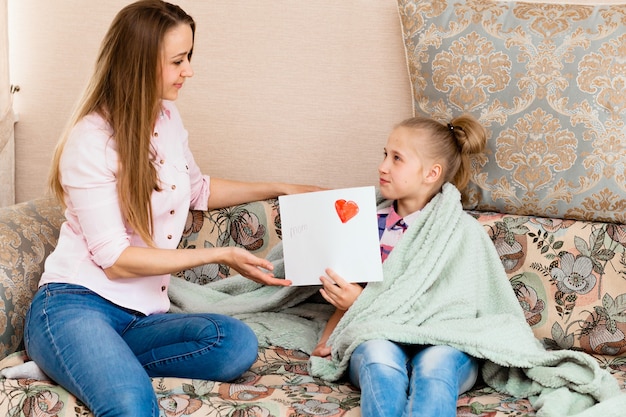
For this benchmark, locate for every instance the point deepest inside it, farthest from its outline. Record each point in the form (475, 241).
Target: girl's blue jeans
(410, 380)
(105, 354)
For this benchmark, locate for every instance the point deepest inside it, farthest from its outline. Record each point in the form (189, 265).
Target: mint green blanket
(443, 284)
(291, 317)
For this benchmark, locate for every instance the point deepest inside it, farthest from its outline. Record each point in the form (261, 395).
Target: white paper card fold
(335, 229)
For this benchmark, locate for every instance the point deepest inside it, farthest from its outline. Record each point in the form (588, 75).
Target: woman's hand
(338, 291)
(136, 262)
(253, 267)
(226, 193)
(300, 188)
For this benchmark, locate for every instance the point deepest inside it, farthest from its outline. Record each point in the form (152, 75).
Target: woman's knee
(236, 348)
(138, 400)
(244, 347)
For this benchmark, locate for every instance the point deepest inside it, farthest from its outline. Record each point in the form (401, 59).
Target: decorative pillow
(254, 226)
(29, 233)
(548, 81)
(569, 278)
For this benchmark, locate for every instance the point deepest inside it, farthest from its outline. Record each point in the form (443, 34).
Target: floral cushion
(253, 226)
(547, 81)
(276, 385)
(570, 279)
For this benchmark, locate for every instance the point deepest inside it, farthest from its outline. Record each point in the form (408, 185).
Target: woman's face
(175, 64)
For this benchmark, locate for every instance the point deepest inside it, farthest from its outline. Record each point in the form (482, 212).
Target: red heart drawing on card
(346, 209)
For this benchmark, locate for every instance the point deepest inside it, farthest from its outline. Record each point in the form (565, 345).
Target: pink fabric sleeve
(88, 170)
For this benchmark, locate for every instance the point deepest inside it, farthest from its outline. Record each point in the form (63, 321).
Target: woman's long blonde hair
(124, 90)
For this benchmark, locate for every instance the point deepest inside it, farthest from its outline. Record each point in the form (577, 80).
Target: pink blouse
(95, 234)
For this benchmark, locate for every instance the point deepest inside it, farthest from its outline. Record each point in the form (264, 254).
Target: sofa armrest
(28, 232)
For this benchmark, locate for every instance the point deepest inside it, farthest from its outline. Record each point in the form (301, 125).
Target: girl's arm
(322, 349)
(225, 193)
(342, 295)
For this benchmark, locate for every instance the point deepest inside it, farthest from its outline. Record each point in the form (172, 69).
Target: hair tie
(453, 128)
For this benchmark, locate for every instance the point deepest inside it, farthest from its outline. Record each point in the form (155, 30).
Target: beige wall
(284, 90)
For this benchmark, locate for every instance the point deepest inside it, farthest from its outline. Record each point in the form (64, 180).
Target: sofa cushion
(276, 385)
(29, 233)
(568, 277)
(254, 226)
(547, 81)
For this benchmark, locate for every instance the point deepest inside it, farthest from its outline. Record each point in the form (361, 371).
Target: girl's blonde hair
(124, 90)
(451, 144)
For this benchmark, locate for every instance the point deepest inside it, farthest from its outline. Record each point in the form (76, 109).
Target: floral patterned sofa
(569, 276)
(547, 80)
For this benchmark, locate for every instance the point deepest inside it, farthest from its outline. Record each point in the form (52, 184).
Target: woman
(124, 171)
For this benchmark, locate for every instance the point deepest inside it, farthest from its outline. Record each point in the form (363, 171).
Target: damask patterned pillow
(254, 226)
(29, 233)
(548, 81)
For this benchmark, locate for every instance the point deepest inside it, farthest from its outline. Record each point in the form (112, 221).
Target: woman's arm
(137, 262)
(226, 193)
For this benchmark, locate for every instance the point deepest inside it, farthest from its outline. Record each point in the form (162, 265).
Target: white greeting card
(335, 229)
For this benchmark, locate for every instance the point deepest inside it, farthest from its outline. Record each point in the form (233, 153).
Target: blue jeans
(410, 380)
(105, 354)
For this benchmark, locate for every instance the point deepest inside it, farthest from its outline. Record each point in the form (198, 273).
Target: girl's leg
(200, 346)
(438, 375)
(74, 337)
(379, 369)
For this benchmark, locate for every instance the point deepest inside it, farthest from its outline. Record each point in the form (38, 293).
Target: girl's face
(175, 65)
(406, 174)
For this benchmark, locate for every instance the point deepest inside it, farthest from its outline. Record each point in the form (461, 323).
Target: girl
(398, 378)
(127, 179)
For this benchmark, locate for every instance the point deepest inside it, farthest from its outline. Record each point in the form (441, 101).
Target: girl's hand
(321, 350)
(338, 291)
(252, 267)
